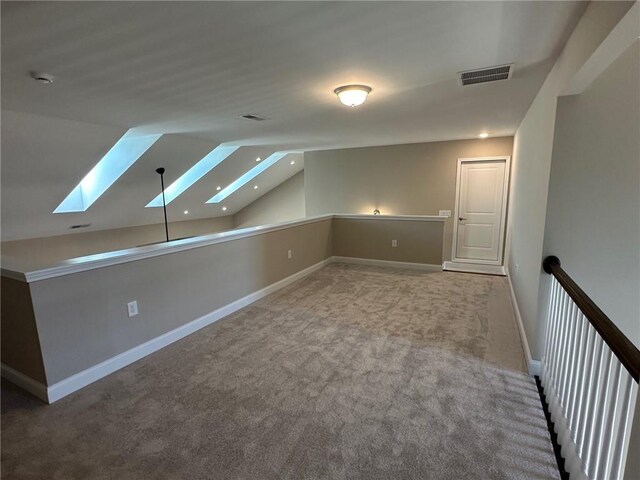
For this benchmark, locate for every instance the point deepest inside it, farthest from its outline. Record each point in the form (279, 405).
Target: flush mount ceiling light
(352, 95)
(483, 135)
(258, 159)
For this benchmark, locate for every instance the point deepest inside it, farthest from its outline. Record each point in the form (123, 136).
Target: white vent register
(485, 75)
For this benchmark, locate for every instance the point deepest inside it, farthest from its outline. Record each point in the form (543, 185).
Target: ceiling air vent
(485, 75)
(253, 116)
(82, 225)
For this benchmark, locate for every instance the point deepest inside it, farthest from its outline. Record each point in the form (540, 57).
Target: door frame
(503, 218)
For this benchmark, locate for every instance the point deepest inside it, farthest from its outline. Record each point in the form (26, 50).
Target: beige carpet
(351, 373)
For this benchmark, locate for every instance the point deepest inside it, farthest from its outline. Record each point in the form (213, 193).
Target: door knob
(461, 218)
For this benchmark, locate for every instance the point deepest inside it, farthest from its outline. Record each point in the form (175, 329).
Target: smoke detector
(43, 78)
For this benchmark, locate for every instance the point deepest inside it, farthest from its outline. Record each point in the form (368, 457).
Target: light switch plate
(444, 213)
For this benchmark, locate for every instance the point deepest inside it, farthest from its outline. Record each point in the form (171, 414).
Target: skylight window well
(247, 177)
(195, 173)
(116, 161)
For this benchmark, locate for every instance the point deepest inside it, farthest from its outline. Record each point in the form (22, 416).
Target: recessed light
(255, 187)
(258, 159)
(218, 188)
(224, 209)
(352, 95)
(292, 162)
(483, 135)
(186, 212)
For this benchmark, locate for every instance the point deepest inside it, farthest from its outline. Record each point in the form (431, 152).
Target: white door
(481, 201)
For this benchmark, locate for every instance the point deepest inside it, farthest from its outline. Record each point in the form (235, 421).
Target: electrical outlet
(132, 308)
(444, 213)
(394, 243)
(289, 253)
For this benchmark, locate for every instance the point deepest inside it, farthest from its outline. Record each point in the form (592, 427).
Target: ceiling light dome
(352, 95)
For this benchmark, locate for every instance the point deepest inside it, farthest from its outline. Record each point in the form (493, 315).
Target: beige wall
(418, 241)
(82, 318)
(593, 220)
(283, 203)
(20, 342)
(47, 250)
(532, 149)
(417, 179)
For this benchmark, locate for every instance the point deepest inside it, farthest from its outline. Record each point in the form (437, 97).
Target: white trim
(474, 268)
(92, 374)
(387, 263)
(414, 218)
(82, 379)
(503, 218)
(13, 275)
(26, 383)
(533, 365)
(624, 34)
(92, 262)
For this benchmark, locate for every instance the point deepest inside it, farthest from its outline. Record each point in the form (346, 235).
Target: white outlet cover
(394, 243)
(444, 213)
(289, 254)
(132, 308)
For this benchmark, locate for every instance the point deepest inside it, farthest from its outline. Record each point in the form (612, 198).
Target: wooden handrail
(620, 345)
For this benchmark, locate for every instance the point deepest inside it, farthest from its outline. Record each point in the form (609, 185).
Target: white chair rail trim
(100, 260)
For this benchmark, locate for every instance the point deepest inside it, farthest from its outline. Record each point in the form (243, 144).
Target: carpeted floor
(351, 373)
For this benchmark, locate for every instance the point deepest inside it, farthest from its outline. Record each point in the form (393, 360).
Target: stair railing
(590, 372)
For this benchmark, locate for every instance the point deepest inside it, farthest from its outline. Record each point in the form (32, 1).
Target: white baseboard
(26, 383)
(533, 365)
(474, 268)
(82, 379)
(387, 263)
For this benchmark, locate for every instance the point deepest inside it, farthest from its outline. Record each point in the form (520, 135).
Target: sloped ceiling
(190, 69)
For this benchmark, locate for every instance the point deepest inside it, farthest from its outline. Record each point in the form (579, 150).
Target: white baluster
(564, 327)
(594, 399)
(619, 425)
(583, 402)
(572, 366)
(555, 345)
(609, 412)
(599, 414)
(580, 375)
(551, 323)
(566, 356)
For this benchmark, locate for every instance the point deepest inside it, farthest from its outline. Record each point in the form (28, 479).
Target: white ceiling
(191, 68)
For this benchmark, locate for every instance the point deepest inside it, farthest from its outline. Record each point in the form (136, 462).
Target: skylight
(247, 177)
(122, 155)
(191, 176)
